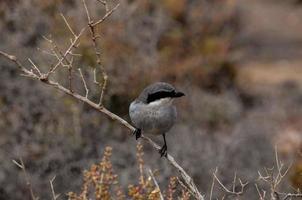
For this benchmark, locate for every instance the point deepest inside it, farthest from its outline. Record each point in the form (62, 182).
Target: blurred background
(239, 63)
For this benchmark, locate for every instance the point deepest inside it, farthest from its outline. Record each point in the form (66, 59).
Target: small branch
(105, 4)
(104, 74)
(87, 12)
(96, 47)
(156, 184)
(54, 195)
(69, 27)
(213, 183)
(261, 196)
(59, 54)
(95, 79)
(84, 82)
(234, 180)
(292, 195)
(70, 74)
(35, 67)
(233, 192)
(72, 45)
(101, 86)
(273, 178)
(106, 15)
(20, 66)
(104, 85)
(21, 165)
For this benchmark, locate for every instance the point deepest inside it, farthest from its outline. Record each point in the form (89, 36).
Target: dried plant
(147, 187)
(171, 188)
(101, 182)
(100, 178)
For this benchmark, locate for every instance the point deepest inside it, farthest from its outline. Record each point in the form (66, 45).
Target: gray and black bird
(153, 112)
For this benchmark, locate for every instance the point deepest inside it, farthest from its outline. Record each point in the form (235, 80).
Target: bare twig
(20, 66)
(233, 191)
(35, 67)
(156, 184)
(69, 27)
(101, 86)
(297, 195)
(21, 165)
(261, 196)
(84, 83)
(273, 178)
(234, 180)
(70, 74)
(97, 51)
(106, 15)
(86, 10)
(105, 4)
(68, 51)
(95, 79)
(54, 195)
(212, 185)
(59, 54)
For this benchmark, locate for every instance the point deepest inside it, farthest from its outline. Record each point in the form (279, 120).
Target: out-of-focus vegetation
(237, 61)
(101, 182)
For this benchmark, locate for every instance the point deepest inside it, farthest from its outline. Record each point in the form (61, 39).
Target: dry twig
(273, 177)
(261, 195)
(233, 191)
(156, 184)
(54, 195)
(84, 83)
(21, 165)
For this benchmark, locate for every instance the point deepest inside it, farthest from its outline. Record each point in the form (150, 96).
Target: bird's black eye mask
(163, 94)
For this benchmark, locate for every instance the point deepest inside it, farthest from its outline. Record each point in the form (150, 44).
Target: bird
(153, 112)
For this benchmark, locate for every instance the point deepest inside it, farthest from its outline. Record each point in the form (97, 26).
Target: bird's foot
(163, 151)
(137, 133)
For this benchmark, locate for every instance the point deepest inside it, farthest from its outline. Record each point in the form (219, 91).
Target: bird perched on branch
(153, 111)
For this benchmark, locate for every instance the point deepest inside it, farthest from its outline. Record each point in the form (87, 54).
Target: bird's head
(159, 91)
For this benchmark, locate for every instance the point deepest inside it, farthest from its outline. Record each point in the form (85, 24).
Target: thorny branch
(36, 74)
(233, 190)
(273, 177)
(97, 51)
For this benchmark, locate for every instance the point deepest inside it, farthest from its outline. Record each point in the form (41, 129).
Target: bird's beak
(179, 94)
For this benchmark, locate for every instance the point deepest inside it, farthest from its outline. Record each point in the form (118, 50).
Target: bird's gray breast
(156, 118)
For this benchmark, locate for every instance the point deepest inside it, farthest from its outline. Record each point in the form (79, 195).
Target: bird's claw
(163, 151)
(137, 133)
